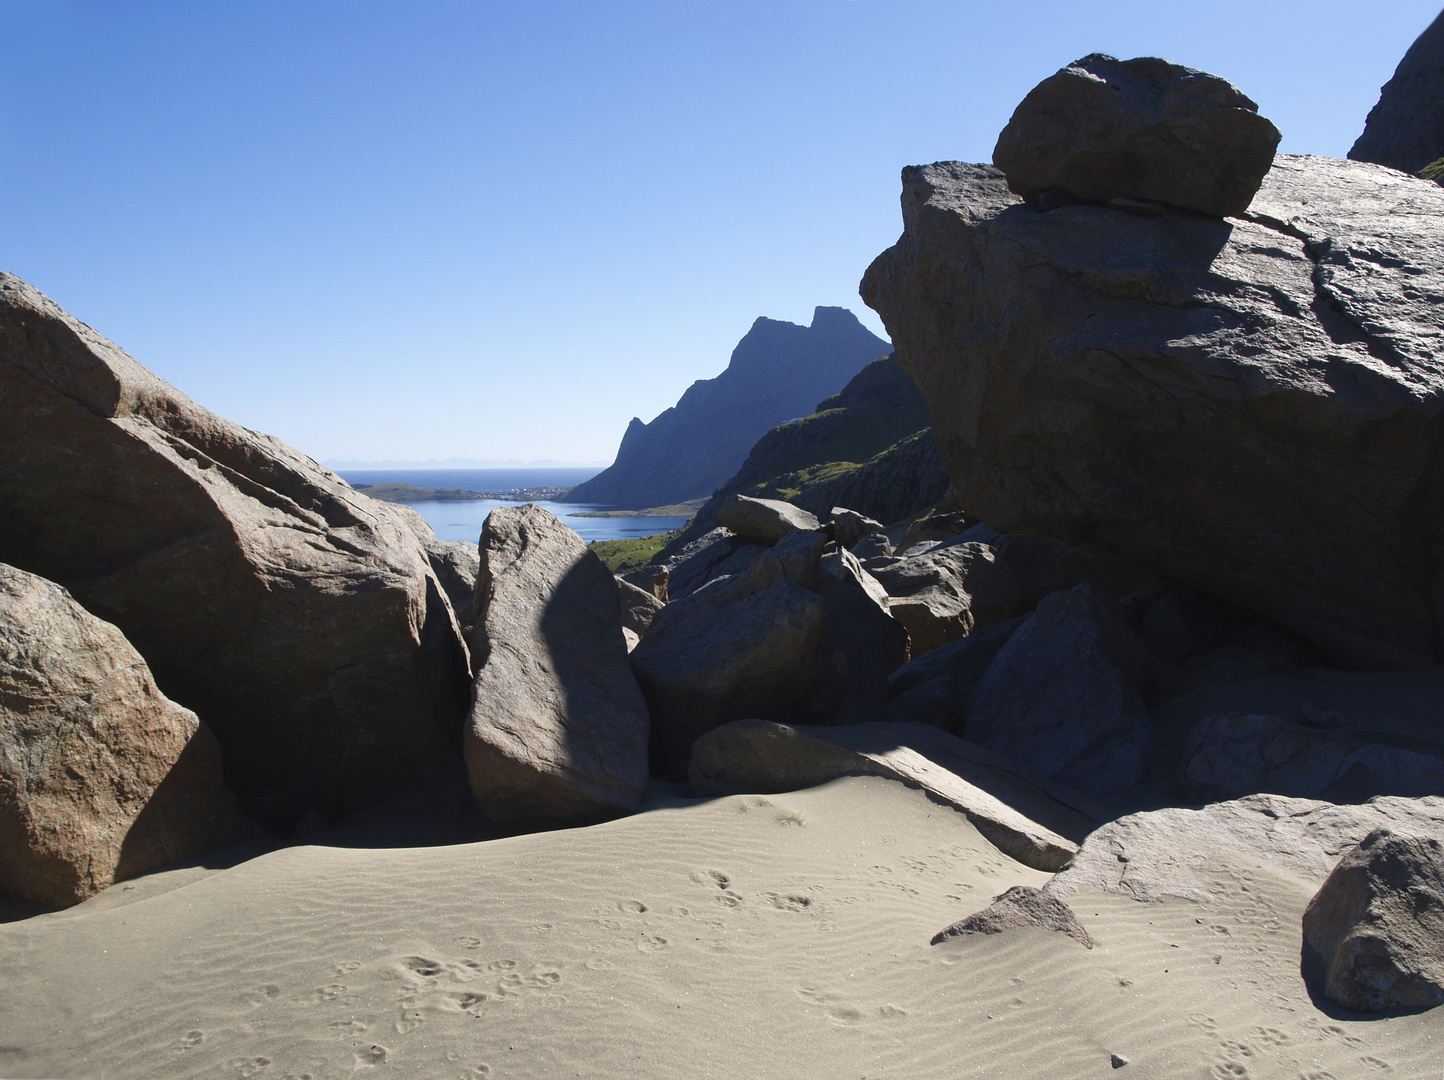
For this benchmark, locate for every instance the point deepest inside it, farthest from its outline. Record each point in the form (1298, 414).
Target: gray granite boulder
(862, 642)
(639, 607)
(1247, 406)
(945, 593)
(101, 776)
(300, 619)
(1062, 696)
(1103, 129)
(730, 650)
(1236, 754)
(557, 732)
(763, 521)
(1377, 924)
(848, 527)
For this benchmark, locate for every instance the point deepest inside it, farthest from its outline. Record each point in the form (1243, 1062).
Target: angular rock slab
(862, 642)
(299, 618)
(101, 776)
(1103, 129)
(1062, 695)
(764, 521)
(1022, 905)
(558, 727)
(1247, 407)
(1023, 815)
(1377, 923)
(1175, 852)
(948, 592)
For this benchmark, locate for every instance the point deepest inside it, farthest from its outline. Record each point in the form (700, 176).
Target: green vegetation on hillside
(1434, 171)
(632, 552)
(686, 509)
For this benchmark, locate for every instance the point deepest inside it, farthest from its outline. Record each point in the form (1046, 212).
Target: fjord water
(463, 520)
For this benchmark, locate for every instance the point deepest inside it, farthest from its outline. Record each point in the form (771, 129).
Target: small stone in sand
(1117, 1060)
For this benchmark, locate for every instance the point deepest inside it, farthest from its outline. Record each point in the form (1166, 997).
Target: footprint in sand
(477, 1072)
(1375, 1063)
(471, 1003)
(467, 941)
(501, 965)
(329, 992)
(833, 1007)
(371, 1056)
(410, 1020)
(261, 995)
(419, 965)
(631, 907)
(250, 1066)
(788, 901)
(190, 1039)
(348, 967)
(651, 943)
(711, 877)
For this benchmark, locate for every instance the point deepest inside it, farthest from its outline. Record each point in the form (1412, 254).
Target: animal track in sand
(651, 943)
(329, 992)
(250, 1066)
(190, 1039)
(468, 941)
(631, 907)
(427, 969)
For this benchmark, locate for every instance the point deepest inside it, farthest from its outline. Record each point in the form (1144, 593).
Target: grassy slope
(632, 552)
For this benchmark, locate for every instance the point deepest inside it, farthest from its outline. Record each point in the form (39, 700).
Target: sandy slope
(747, 937)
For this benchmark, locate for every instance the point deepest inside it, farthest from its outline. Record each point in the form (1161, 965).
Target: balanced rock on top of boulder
(1103, 129)
(1248, 407)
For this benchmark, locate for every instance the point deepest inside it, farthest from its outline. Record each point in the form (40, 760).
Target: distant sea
(463, 520)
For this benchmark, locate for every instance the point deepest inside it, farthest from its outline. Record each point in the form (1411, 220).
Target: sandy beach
(749, 936)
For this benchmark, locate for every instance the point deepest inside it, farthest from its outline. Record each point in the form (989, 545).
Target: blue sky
(500, 230)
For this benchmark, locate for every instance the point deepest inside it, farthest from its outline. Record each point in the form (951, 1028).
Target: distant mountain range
(778, 372)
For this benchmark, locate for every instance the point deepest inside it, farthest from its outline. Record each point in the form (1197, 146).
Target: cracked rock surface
(1246, 405)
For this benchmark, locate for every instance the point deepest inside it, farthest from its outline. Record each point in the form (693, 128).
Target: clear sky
(416, 230)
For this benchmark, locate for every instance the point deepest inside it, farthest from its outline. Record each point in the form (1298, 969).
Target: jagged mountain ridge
(778, 371)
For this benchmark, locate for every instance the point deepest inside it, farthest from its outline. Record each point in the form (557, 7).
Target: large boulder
(1177, 852)
(862, 643)
(1405, 130)
(101, 776)
(1104, 129)
(848, 527)
(558, 728)
(763, 521)
(1062, 696)
(732, 649)
(1377, 924)
(1235, 754)
(299, 618)
(947, 592)
(639, 606)
(1246, 406)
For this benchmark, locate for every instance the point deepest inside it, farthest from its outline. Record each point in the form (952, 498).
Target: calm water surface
(463, 520)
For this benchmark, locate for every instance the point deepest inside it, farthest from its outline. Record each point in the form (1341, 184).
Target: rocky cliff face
(866, 448)
(1249, 405)
(1405, 130)
(778, 371)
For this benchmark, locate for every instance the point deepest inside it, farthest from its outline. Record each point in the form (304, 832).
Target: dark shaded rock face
(299, 618)
(1248, 407)
(1062, 695)
(1377, 924)
(558, 727)
(1236, 754)
(1405, 130)
(1144, 129)
(778, 371)
(101, 777)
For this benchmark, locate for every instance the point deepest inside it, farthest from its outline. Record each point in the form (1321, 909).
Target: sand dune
(777, 936)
